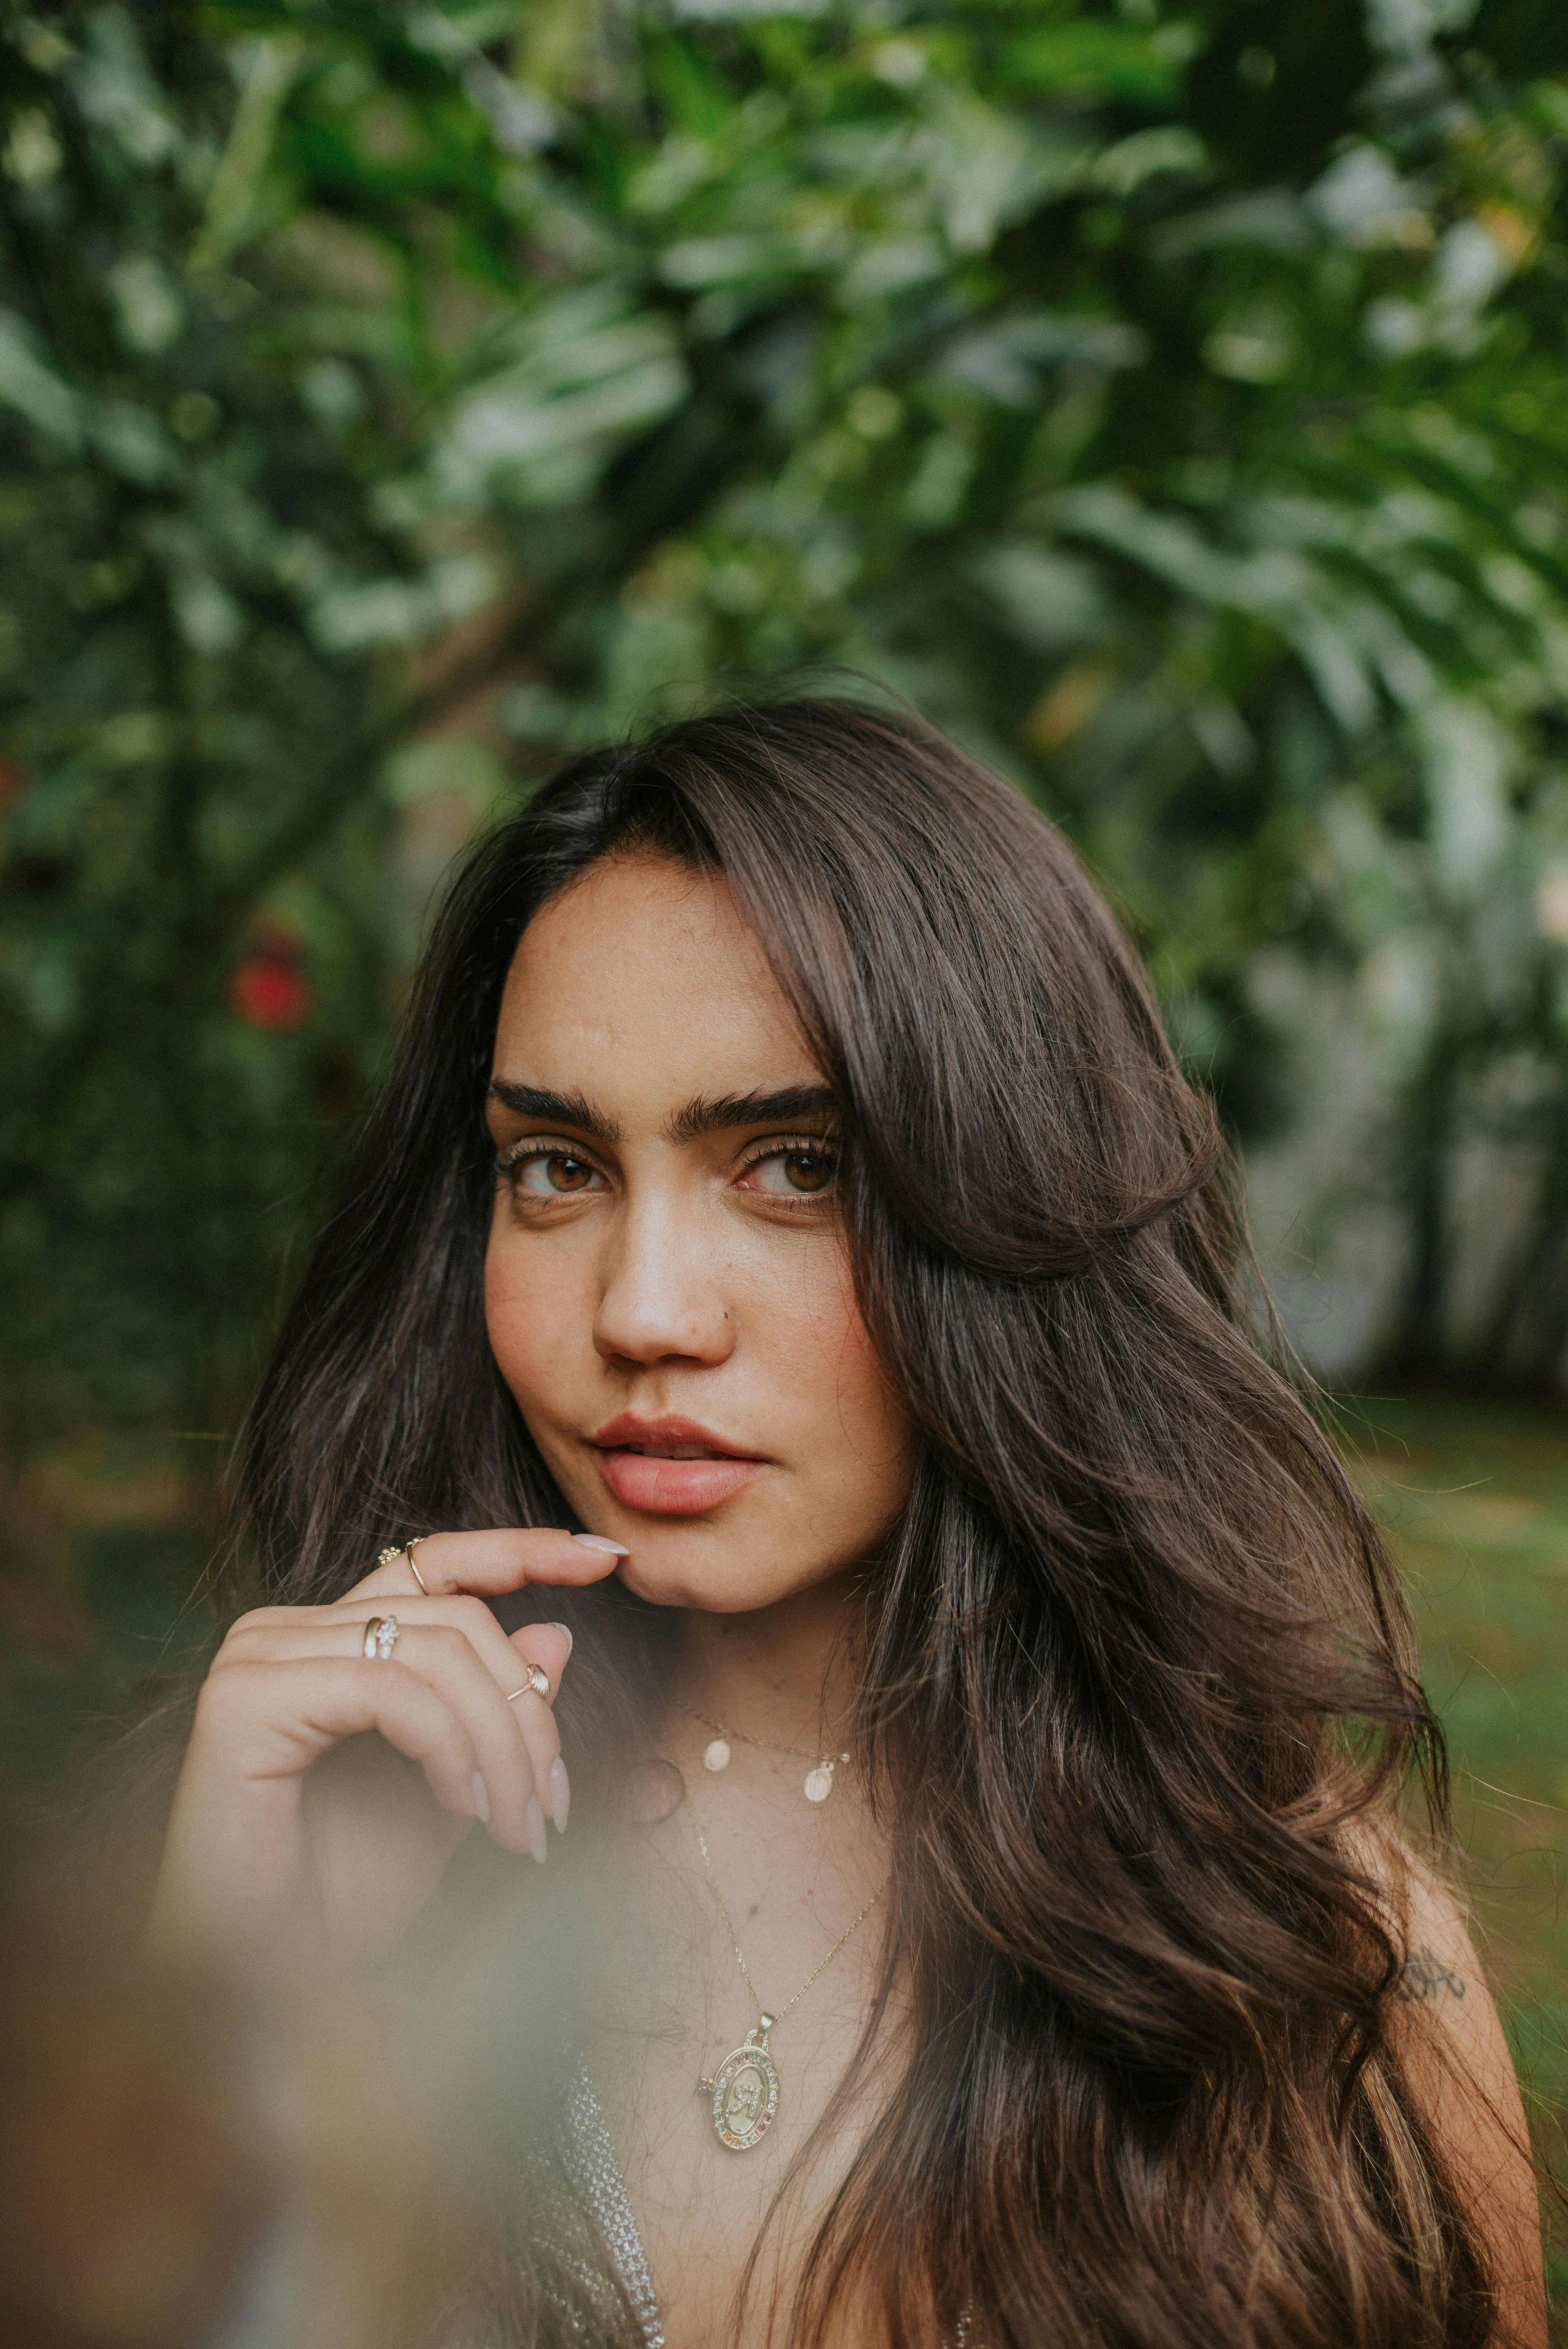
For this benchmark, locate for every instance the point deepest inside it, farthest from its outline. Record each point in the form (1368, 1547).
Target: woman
(789, 1283)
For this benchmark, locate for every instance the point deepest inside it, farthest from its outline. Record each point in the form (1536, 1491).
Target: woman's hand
(296, 1835)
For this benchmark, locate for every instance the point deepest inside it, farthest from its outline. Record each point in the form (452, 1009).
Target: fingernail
(538, 1842)
(565, 1631)
(596, 1541)
(560, 1794)
(481, 1800)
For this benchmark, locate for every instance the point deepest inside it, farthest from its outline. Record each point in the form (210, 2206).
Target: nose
(662, 1298)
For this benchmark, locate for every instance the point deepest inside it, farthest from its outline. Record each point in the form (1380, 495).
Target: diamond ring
(382, 1633)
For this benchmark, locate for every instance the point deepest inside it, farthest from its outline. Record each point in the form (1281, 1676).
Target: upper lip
(628, 1428)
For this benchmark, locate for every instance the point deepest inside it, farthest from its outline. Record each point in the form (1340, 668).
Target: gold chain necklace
(744, 2092)
(818, 1782)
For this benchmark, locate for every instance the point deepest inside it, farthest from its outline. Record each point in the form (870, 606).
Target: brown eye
(809, 1170)
(805, 1172)
(548, 1174)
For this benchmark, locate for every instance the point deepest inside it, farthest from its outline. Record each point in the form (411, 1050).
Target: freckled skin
(682, 1276)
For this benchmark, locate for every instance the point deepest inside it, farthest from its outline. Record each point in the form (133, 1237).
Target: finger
(463, 1612)
(311, 1702)
(500, 1558)
(507, 1797)
(548, 1646)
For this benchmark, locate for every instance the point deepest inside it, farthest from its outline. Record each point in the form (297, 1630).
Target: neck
(785, 1673)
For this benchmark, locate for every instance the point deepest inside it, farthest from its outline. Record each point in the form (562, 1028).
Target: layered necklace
(818, 1782)
(743, 2094)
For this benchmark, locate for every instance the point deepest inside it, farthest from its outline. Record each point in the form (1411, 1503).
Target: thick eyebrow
(790, 1107)
(541, 1108)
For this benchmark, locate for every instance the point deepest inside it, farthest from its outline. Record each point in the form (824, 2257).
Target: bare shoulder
(1450, 2043)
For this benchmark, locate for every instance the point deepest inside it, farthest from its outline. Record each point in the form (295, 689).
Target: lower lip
(674, 1488)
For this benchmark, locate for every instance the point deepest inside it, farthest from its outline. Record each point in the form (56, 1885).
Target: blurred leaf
(1168, 400)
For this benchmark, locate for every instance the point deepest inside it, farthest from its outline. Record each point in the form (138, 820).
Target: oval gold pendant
(745, 2094)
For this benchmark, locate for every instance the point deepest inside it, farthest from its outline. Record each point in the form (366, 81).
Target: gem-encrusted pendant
(744, 2092)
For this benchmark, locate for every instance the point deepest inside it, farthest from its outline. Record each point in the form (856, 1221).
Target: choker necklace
(743, 2094)
(818, 1782)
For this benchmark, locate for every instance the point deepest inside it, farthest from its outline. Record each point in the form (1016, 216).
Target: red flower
(269, 989)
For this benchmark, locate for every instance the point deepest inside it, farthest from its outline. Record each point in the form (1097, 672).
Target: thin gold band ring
(405, 1550)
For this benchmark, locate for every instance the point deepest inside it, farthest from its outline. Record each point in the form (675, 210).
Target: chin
(709, 1594)
(710, 1577)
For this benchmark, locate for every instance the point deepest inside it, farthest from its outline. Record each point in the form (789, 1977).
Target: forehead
(644, 979)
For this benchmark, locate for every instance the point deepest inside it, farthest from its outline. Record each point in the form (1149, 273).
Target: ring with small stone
(536, 1684)
(382, 1633)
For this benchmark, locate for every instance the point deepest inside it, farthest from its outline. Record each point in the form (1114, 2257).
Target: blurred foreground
(107, 1549)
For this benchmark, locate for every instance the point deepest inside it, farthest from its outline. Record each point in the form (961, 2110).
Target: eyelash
(799, 1145)
(517, 1154)
(510, 1162)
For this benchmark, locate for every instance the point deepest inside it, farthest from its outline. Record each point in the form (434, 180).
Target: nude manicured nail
(596, 1541)
(560, 1794)
(565, 1631)
(538, 1841)
(481, 1799)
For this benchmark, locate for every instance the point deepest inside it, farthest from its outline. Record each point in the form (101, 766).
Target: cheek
(530, 1313)
(861, 1422)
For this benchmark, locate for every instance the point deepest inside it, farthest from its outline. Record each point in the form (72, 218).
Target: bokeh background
(1172, 400)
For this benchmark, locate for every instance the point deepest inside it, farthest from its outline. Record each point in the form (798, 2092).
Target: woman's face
(666, 1284)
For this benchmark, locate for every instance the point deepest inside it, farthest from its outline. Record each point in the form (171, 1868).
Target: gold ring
(537, 1684)
(382, 1634)
(404, 1551)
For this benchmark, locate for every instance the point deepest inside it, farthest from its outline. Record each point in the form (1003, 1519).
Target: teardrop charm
(716, 1755)
(819, 1783)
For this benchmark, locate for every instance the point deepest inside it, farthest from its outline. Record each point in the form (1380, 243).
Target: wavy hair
(1137, 1676)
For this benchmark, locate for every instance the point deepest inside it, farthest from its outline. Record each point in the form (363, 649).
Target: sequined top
(595, 2178)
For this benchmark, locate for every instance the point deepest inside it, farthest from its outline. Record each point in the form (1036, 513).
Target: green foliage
(177, 514)
(1167, 400)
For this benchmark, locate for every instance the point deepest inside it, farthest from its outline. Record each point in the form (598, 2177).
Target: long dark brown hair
(1136, 1672)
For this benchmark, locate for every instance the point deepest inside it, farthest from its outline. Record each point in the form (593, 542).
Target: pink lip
(671, 1488)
